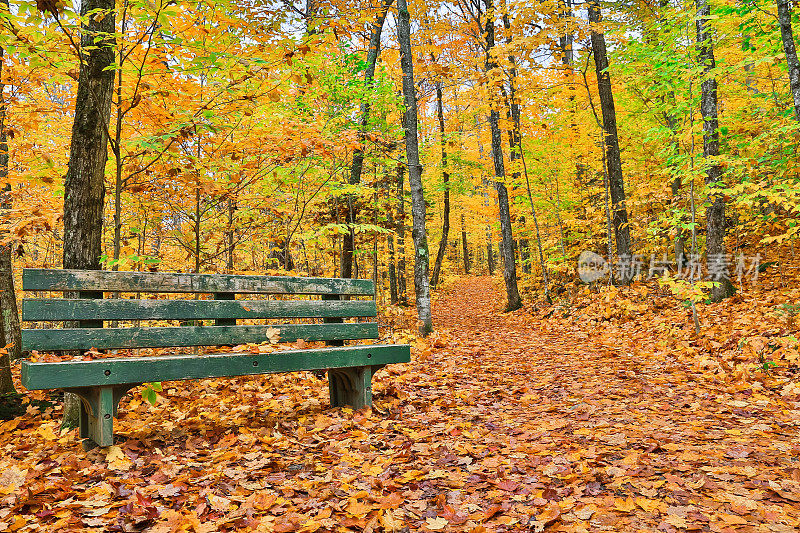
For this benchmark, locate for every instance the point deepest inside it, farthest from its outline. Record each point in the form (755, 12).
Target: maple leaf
(436, 524)
(389, 522)
(626, 506)
(273, 335)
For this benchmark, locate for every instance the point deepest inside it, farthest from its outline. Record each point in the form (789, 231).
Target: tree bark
(437, 266)
(357, 166)
(392, 268)
(418, 233)
(515, 140)
(715, 213)
(464, 244)
(84, 185)
(10, 337)
(514, 301)
(402, 294)
(789, 48)
(485, 190)
(616, 184)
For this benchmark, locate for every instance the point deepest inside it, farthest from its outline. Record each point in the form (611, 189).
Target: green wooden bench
(100, 383)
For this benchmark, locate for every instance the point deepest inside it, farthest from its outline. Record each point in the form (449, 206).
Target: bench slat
(34, 279)
(46, 340)
(70, 374)
(54, 309)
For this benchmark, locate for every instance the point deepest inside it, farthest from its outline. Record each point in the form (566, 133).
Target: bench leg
(97, 411)
(351, 387)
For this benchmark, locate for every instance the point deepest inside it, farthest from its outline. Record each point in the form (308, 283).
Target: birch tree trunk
(418, 232)
(616, 184)
(789, 48)
(514, 301)
(715, 213)
(84, 185)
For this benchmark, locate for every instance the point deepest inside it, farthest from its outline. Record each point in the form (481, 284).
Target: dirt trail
(637, 441)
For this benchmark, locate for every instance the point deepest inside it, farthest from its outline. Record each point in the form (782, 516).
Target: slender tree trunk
(117, 150)
(348, 244)
(310, 15)
(402, 293)
(197, 213)
(616, 184)
(715, 213)
(84, 185)
(515, 141)
(464, 245)
(437, 266)
(789, 48)
(542, 264)
(10, 338)
(418, 233)
(486, 202)
(230, 236)
(392, 269)
(514, 301)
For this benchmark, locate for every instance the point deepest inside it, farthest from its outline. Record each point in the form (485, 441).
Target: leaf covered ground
(600, 416)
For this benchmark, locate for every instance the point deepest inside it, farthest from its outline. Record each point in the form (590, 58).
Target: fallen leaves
(512, 439)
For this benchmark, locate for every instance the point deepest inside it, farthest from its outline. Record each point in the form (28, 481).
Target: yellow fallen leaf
(114, 454)
(436, 523)
(626, 506)
(358, 509)
(48, 433)
(651, 506)
(273, 335)
(585, 512)
(389, 522)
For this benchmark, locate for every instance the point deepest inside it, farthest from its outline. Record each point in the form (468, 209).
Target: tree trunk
(10, 338)
(542, 264)
(402, 294)
(785, 20)
(616, 184)
(418, 233)
(515, 140)
(514, 301)
(464, 244)
(84, 185)
(357, 166)
(715, 214)
(437, 266)
(392, 270)
(230, 237)
(485, 189)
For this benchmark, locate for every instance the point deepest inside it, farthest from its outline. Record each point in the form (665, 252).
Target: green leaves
(150, 390)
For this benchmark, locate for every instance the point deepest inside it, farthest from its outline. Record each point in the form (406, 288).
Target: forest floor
(556, 419)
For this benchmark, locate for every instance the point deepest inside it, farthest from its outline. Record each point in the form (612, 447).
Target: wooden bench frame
(101, 383)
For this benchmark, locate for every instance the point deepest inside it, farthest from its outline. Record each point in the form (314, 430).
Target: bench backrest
(84, 303)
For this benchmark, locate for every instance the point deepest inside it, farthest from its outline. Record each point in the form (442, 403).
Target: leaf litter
(586, 420)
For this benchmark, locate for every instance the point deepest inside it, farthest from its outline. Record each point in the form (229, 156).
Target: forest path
(621, 440)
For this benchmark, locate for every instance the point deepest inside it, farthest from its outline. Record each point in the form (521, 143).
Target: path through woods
(502, 422)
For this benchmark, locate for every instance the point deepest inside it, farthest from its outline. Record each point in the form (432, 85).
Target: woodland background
(415, 143)
(259, 137)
